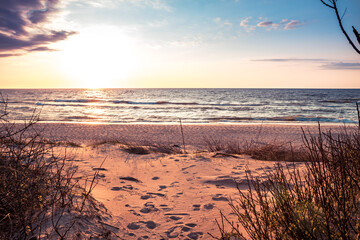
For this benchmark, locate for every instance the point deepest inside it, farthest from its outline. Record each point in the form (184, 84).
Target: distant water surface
(189, 105)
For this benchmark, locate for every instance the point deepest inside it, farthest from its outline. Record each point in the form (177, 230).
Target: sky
(177, 44)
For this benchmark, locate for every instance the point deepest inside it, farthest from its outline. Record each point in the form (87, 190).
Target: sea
(191, 106)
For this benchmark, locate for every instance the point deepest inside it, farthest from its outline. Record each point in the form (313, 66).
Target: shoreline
(297, 123)
(170, 134)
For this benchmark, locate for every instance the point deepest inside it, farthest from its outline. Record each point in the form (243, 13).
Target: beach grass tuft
(258, 150)
(141, 149)
(320, 202)
(40, 197)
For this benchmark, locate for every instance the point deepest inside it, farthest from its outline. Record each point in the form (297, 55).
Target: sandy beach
(194, 135)
(168, 196)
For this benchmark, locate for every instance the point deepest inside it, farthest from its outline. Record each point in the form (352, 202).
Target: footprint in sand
(175, 218)
(133, 226)
(165, 208)
(173, 232)
(132, 179)
(150, 224)
(100, 175)
(196, 207)
(134, 212)
(123, 188)
(173, 184)
(99, 169)
(145, 197)
(136, 225)
(149, 207)
(195, 235)
(209, 206)
(219, 197)
(191, 225)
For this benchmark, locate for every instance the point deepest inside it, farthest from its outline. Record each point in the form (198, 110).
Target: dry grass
(323, 202)
(39, 196)
(141, 149)
(259, 151)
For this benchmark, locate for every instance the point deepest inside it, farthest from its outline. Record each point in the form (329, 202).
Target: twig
(358, 112)
(108, 225)
(182, 135)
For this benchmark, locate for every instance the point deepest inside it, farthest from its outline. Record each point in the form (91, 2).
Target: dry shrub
(141, 149)
(322, 202)
(135, 149)
(216, 145)
(275, 152)
(257, 150)
(39, 196)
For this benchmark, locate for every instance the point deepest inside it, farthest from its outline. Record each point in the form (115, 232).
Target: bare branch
(332, 4)
(326, 4)
(343, 14)
(343, 30)
(357, 35)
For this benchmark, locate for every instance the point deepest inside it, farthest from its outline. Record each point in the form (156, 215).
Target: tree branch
(357, 35)
(326, 4)
(342, 27)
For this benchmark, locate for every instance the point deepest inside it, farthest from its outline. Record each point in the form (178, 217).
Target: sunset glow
(178, 44)
(99, 57)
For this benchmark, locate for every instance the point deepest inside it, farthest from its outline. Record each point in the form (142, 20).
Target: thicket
(321, 201)
(40, 197)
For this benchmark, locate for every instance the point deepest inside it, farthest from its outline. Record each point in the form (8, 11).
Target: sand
(194, 135)
(168, 196)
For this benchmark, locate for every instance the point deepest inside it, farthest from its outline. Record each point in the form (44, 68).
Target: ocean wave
(220, 119)
(79, 100)
(282, 119)
(346, 100)
(59, 105)
(153, 103)
(174, 103)
(308, 119)
(80, 118)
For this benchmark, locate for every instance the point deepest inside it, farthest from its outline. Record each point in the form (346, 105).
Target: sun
(99, 57)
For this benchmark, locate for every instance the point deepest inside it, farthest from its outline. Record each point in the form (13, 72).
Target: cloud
(42, 49)
(341, 65)
(290, 60)
(265, 24)
(222, 23)
(9, 55)
(245, 24)
(293, 24)
(284, 24)
(326, 64)
(41, 15)
(22, 26)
